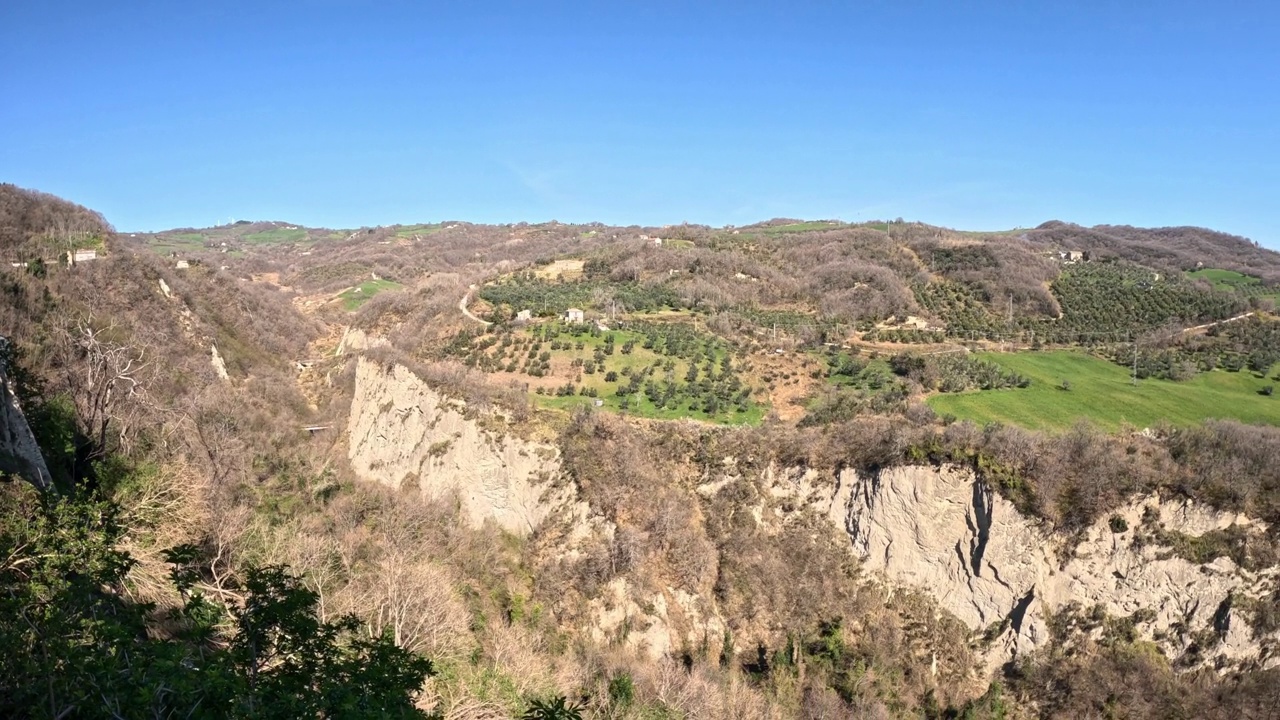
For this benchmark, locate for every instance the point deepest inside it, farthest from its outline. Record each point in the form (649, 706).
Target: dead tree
(104, 378)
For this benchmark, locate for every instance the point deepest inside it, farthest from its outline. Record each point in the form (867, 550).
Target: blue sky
(972, 115)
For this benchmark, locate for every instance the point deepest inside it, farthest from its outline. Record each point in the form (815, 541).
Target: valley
(791, 469)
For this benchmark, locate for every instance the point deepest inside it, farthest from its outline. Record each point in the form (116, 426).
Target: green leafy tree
(73, 645)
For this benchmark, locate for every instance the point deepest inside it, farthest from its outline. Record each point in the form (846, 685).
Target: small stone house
(573, 315)
(82, 255)
(524, 316)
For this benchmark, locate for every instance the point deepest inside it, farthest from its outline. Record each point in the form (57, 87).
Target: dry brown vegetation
(227, 465)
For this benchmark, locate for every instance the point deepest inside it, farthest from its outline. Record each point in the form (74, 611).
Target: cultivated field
(1103, 392)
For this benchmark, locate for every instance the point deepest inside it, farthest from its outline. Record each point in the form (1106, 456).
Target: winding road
(462, 305)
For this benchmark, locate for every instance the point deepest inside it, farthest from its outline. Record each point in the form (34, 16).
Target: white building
(82, 255)
(573, 315)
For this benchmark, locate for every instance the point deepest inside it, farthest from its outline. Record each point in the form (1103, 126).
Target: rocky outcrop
(19, 453)
(944, 530)
(403, 431)
(657, 626)
(355, 340)
(219, 365)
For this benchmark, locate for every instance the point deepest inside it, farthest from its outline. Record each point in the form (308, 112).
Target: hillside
(794, 469)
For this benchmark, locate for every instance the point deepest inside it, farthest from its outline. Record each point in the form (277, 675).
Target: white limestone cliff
(403, 431)
(943, 530)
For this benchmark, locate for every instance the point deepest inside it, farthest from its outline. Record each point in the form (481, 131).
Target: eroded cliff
(403, 431)
(944, 530)
(19, 452)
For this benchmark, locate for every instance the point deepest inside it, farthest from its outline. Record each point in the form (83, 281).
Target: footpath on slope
(462, 305)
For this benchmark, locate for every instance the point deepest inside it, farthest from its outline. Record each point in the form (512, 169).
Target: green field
(1228, 280)
(177, 242)
(803, 227)
(1224, 279)
(277, 235)
(424, 229)
(353, 298)
(1103, 392)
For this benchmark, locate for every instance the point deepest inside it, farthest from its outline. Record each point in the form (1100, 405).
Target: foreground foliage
(72, 644)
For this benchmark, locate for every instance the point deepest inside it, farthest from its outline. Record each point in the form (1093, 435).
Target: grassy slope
(1223, 279)
(409, 231)
(353, 298)
(1232, 280)
(1103, 392)
(802, 227)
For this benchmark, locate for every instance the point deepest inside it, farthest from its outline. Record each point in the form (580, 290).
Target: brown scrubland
(767, 610)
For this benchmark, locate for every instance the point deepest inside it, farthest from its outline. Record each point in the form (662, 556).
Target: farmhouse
(81, 255)
(573, 315)
(524, 316)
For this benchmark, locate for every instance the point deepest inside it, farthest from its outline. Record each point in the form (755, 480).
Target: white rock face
(354, 340)
(942, 530)
(400, 430)
(219, 365)
(19, 452)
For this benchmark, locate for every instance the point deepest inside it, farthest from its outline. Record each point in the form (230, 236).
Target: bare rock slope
(403, 431)
(944, 530)
(19, 453)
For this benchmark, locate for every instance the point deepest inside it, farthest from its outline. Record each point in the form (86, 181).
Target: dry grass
(163, 507)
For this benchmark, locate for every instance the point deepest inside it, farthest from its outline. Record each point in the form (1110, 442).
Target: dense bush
(72, 643)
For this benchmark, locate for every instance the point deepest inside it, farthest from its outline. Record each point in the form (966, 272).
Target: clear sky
(966, 114)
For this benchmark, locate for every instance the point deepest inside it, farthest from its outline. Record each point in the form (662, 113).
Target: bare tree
(105, 377)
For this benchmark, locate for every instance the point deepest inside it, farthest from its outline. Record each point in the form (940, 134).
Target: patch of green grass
(176, 242)
(423, 229)
(277, 235)
(803, 227)
(1229, 280)
(1224, 279)
(353, 298)
(1103, 392)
